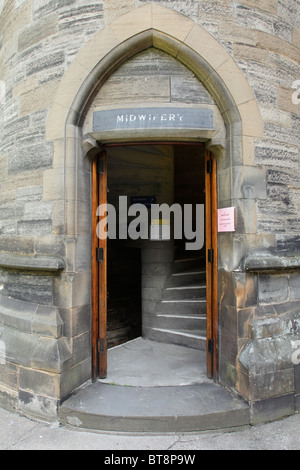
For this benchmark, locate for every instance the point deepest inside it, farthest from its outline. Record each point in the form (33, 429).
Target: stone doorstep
(199, 407)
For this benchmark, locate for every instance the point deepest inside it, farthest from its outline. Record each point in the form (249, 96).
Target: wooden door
(99, 269)
(211, 265)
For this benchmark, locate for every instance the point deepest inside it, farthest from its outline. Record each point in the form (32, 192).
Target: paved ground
(20, 433)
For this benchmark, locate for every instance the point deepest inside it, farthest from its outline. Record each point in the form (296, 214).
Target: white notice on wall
(226, 219)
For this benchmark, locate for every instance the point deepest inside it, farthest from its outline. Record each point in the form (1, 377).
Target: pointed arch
(154, 26)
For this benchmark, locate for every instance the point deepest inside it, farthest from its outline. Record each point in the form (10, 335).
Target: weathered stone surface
(39, 41)
(30, 159)
(51, 355)
(37, 31)
(28, 287)
(37, 405)
(272, 408)
(47, 322)
(272, 289)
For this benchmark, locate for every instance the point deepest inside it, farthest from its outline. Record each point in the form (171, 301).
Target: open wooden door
(99, 269)
(211, 265)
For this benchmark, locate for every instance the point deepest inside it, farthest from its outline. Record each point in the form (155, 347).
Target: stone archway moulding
(148, 26)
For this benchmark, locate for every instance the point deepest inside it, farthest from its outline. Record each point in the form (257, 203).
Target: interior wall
(189, 187)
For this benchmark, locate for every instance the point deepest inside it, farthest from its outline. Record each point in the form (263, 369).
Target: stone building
(181, 101)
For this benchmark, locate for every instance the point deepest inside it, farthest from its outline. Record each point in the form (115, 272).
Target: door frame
(99, 259)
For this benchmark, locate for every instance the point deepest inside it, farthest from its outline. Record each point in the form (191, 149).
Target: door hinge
(100, 166)
(209, 167)
(210, 346)
(210, 255)
(100, 345)
(99, 255)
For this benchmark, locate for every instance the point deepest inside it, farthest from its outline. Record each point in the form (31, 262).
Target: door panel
(211, 265)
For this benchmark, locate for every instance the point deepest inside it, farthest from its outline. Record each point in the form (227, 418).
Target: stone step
(187, 264)
(191, 292)
(185, 306)
(191, 339)
(180, 322)
(189, 408)
(196, 276)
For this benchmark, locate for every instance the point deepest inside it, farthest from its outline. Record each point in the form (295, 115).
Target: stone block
(214, 54)
(294, 284)
(38, 98)
(133, 90)
(16, 314)
(285, 101)
(74, 18)
(45, 62)
(51, 355)
(251, 119)
(228, 373)
(189, 90)
(25, 86)
(50, 245)
(37, 31)
(37, 211)
(297, 403)
(249, 183)
(19, 346)
(127, 25)
(8, 399)
(39, 383)
(9, 374)
(269, 6)
(296, 36)
(272, 289)
(268, 41)
(35, 227)
(238, 289)
(266, 327)
(151, 293)
(234, 32)
(287, 135)
(29, 194)
(53, 187)
(15, 23)
(246, 220)
(75, 320)
(245, 316)
(274, 384)
(228, 344)
(27, 287)
(15, 244)
(30, 158)
(297, 379)
(38, 405)
(47, 322)
(81, 348)
(72, 290)
(74, 377)
(207, 9)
